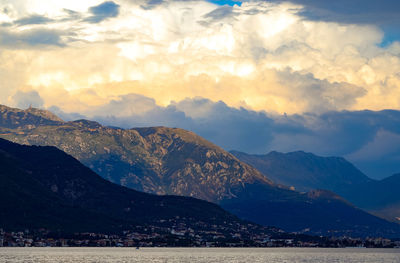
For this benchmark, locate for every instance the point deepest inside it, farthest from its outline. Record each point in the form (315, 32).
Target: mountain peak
(29, 118)
(43, 113)
(175, 133)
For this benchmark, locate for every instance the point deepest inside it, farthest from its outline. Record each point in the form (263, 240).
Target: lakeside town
(176, 238)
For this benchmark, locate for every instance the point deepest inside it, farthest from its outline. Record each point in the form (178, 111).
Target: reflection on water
(195, 255)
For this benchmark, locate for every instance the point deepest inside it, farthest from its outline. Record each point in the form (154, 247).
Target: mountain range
(43, 187)
(306, 171)
(167, 161)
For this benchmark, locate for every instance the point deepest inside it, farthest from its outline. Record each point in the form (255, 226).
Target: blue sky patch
(226, 2)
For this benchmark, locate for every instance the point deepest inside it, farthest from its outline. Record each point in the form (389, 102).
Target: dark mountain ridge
(42, 187)
(164, 160)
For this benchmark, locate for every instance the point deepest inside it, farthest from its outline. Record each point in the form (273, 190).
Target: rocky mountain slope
(306, 171)
(155, 160)
(42, 187)
(174, 161)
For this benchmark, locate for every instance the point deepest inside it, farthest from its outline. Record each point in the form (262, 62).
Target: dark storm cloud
(369, 139)
(102, 12)
(228, 127)
(351, 11)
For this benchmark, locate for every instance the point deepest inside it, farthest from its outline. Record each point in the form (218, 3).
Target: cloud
(25, 99)
(103, 11)
(319, 95)
(220, 13)
(226, 126)
(380, 13)
(381, 155)
(31, 38)
(355, 11)
(264, 55)
(33, 20)
(132, 110)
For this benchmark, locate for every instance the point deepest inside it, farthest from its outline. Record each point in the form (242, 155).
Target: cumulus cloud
(382, 13)
(24, 99)
(103, 11)
(265, 55)
(355, 11)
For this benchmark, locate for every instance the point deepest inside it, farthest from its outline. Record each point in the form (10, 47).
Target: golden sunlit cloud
(258, 55)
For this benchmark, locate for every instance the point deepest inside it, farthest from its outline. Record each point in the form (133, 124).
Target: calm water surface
(197, 255)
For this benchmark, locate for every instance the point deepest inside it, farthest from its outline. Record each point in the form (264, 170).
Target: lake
(197, 255)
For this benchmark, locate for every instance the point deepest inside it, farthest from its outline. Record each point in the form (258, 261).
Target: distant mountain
(306, 171)
(43, 187)
(174, 161)
(381, 198)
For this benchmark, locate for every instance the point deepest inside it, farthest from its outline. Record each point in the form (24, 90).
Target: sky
(254, 76)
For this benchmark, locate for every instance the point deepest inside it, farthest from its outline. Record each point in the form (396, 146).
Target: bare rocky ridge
(26, 119)
(191, 166)
(155, 160)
